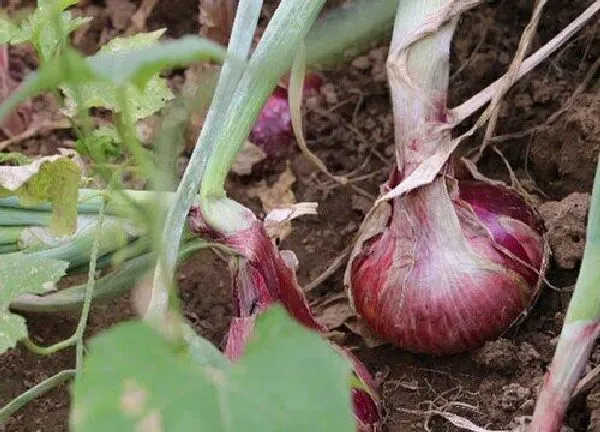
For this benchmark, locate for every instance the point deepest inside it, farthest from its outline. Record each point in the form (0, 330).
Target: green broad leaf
(46, 26)
(20, 274)
(289, 380)
(139, 40)
(143, 100)
(14, 158)
(102, 94)
(54, 179)
(202, 352)
(137, 66)
(102, 144)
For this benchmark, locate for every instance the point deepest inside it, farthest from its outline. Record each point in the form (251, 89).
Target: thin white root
(511, 76)
(464, 110)
(430, 167)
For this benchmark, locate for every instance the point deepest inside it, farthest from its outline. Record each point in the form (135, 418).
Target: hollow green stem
(77, 337)
(113, 284)
(33, 393)
(347, 31)
(113, 235)
(50, 349)
(242, 33)
(271, 59)
(23, 217)
(580, 330)
(585, 303)
(87, 300)
(9, 248)
(10, 234)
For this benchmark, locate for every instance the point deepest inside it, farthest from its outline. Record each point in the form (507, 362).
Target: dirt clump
(593, 406)
(499, 355)
(565, 154)
(514, 396)
(565, 221)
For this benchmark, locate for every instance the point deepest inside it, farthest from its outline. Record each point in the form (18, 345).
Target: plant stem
(9, 248)
(10, 234)
(271, 59)
(77, 338)
(51, 349)
(241, 38)
(418, 77)
(87, 301)
(580, 330)
(33, 393)
(347, 31)
(113, 235)
(113, 284)
(23, 217)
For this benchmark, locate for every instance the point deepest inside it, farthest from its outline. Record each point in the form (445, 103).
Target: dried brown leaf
(247, 158)
(333, 311)
(357, 326)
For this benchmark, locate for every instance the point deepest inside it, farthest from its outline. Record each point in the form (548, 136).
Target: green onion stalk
(579, 333)
(22, 227)
(262, 275)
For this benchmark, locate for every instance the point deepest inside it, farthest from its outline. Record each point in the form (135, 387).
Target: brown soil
(495, 387)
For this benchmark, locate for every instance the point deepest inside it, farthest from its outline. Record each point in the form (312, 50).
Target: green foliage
(150, 385)
(53, 179)
(21, 274)
(102, 144)
(116, 68)
(46, 27)
(14, 158)
(143, 100)
(7, 30)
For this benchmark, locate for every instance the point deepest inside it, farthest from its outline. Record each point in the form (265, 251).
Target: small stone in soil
(566, 222)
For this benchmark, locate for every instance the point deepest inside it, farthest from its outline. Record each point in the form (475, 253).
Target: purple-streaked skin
(240, 331)
(572, 352)
(261, 277)
(441, 271)
(273, 132)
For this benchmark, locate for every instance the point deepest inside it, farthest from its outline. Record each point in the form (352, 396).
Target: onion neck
(418, 76)
(433, 218)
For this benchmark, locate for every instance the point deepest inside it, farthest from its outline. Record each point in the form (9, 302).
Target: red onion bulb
(272, 132)
(448, 266)
(263, 276)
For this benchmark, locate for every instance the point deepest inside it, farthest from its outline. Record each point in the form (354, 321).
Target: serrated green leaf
(137, 41)
(143, 101)
(46, 26)
(279, 385)
(53, 179)
(21, 274)
(103, 143)
(104, 94)
(119, 68)
(14, 158)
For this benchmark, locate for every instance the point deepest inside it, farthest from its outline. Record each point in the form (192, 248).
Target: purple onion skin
(273, 132)
(447, 266)
(262, 277)
(574, 347)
